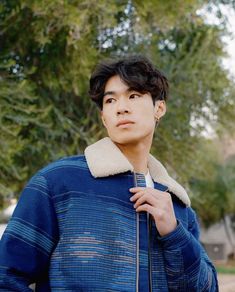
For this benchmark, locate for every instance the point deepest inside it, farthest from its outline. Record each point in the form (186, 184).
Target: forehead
(116, 84)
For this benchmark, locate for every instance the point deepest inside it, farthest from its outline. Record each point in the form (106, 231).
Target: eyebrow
(114, 93)
(109, 93)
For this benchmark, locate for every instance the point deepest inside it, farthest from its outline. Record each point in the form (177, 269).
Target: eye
(109, 100)
(134, 95)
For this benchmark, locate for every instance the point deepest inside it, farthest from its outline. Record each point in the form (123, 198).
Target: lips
(124, 122)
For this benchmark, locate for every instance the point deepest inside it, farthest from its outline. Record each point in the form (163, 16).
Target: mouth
(124, 123)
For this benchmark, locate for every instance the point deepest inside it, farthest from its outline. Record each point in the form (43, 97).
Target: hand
(158, 204)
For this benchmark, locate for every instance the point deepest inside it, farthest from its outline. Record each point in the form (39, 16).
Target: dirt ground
(226, 283)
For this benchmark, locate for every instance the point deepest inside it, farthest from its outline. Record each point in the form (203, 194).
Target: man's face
(129, 116)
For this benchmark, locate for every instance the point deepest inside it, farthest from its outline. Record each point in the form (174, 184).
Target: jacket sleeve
(29, 239)
(188, 267)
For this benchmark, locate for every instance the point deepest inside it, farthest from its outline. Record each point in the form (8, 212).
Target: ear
(159, 109)
(102, 118)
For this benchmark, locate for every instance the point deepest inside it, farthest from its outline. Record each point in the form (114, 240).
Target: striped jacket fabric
(75, 229)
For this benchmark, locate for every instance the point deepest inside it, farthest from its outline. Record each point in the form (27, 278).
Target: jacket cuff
(183, 243)
(177, 238)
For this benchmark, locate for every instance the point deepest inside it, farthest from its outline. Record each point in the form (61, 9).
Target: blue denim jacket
(75, 229)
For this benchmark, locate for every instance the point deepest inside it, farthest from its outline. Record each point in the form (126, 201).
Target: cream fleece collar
(104, 158)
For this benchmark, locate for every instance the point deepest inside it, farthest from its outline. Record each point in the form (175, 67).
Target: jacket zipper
(149, 225)
(137, 243)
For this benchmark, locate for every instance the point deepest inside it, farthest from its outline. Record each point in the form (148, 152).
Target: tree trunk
(229, 236)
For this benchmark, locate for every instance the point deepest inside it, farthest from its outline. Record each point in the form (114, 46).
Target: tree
(214, 198)
(49, 49)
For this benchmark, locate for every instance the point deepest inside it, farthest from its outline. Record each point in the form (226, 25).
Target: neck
(137, 154)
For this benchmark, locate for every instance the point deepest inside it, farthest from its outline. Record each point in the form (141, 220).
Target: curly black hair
(137, 72)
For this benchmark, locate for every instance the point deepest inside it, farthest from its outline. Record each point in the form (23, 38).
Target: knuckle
(168, 196)
(155, 193)
(139, 194)
(160, 215)
(146, 207)
(145, 195)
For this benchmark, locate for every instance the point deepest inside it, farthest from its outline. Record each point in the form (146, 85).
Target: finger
(150, 191)
(136, 189)
(148, 198)
(159, 195)
(164, 197)
(147, 208)
(137, 196)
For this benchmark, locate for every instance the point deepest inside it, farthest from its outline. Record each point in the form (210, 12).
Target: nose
(120, 112)
(122, 107)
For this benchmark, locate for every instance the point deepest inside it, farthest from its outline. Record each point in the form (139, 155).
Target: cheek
(149, 124)
(148, 116)
(107, 121)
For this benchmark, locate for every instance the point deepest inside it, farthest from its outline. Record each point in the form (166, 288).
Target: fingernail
(131, 199)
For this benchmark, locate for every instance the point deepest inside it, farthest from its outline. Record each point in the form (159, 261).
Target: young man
(113, 219)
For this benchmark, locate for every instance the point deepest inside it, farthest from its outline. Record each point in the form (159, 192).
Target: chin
(127, 139)
(133, 136)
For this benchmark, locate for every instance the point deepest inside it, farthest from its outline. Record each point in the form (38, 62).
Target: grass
(228, 268)
(225, 270)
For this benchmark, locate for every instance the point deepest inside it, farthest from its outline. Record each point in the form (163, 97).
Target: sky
(229, 41)
(229, 47)
(229, 63)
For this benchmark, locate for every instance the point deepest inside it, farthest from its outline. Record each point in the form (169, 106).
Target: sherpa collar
(104, 158)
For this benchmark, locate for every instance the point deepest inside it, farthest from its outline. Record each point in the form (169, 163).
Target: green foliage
(225, 270)
(48, 50)
(214, 197)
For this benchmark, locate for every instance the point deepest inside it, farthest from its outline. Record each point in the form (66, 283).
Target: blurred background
(48, 49)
